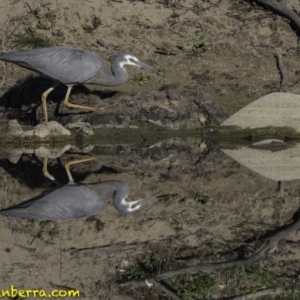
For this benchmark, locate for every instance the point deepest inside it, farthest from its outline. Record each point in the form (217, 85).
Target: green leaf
(202, 40)
(204, 207)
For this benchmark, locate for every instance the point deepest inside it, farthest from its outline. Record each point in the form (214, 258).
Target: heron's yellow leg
(44, 99)
(69, 104)
(45, 170)
(76, 161)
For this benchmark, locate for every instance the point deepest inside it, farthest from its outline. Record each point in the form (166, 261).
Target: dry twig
(282, 10)
(263, 293)
(282, 72)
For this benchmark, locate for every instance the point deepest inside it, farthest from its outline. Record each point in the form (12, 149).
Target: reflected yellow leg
(77, 161)
(45, 170)
(69, 104)
(44, 99)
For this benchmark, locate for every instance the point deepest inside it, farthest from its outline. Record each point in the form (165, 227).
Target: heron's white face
(130, 206)
(132, 60)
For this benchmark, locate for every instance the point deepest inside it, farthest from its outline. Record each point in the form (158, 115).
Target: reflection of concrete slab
(276, 110)
(279, 165)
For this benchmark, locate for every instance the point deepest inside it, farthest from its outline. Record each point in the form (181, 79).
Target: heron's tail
(2, 57)
(15, 213)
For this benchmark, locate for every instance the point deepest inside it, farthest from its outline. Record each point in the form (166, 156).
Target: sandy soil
(238, 67)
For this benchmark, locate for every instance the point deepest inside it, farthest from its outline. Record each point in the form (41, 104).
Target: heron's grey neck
(117, 189)
(119, 197)
(116, 76)
(118, 70)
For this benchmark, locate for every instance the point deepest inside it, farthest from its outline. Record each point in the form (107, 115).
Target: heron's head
(129, 59)
(125, 207)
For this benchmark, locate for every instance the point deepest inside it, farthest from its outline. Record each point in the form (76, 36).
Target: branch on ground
(281, 10)
(269, 242)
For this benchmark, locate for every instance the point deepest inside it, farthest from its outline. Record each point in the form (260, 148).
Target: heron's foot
(89, 108)
(76, 161)
(45, 170)
(105, 107)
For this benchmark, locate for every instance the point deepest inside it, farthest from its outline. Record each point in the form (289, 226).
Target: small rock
(82, 128)
(14, 155)
(13, 128)
(171, 94)
(45, 152)
(47, 130)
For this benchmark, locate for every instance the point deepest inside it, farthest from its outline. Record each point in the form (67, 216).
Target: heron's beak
(138, 203)
(144, 66)
(129, 207)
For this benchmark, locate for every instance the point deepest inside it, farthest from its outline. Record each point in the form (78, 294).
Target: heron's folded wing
(67, 203)
(67, 65)
(71, 202)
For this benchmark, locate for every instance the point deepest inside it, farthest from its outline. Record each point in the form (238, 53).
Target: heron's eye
(132, 60)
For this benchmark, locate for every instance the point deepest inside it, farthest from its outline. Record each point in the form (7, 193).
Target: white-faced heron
(71, 66)
(75, 201)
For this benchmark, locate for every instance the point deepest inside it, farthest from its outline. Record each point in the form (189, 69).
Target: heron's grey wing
(67, 65)
(66, 203)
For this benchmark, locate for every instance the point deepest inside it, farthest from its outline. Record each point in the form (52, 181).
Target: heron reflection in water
(74, 201)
